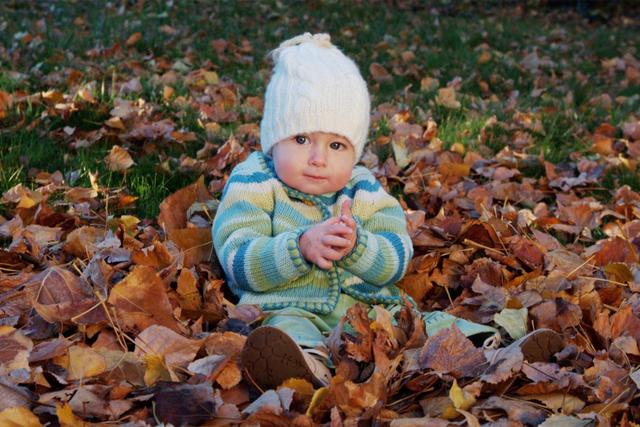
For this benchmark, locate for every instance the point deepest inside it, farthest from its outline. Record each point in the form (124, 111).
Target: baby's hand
(346, 218)
(326, 242)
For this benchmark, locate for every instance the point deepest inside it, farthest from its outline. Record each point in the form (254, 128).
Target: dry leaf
(140, 300)
(118, 159)
(450, 352)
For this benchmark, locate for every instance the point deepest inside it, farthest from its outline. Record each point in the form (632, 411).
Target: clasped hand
(330, 240)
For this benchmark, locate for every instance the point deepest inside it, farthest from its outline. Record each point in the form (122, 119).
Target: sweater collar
(326, 199)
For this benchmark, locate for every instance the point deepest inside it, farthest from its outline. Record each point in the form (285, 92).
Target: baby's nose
(317, 157)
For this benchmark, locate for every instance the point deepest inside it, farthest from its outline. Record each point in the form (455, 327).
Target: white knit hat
(314, 88)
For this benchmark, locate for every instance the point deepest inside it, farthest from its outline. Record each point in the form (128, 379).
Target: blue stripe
(238, 266)
(397, 244)
(254, 178)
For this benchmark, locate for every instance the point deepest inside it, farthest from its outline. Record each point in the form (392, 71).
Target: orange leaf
(230, 376)
(140, 300)
(133, 39)
(173, 209)
(195, 242)
(118, 159)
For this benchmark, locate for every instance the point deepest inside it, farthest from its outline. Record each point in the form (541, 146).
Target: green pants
(309, 329)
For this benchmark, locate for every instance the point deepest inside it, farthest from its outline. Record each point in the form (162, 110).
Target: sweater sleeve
(253, 259)
(383, 247)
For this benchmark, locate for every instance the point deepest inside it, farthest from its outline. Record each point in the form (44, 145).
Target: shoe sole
(540, 345)
(270, 357)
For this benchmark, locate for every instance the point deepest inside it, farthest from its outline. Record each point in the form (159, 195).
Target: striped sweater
(258, 224)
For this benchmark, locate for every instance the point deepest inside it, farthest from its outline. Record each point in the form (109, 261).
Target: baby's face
(314, 163)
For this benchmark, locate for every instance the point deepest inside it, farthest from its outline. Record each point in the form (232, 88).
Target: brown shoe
(539, 345)
(270, 356)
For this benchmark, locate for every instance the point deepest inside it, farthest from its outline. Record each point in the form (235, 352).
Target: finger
(324, 263)
(349, 221)
(339, 229)
(345, 209)
(332, 220)
(331, 254)
(335, 241)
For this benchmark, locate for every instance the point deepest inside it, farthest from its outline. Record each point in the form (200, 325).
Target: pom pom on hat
(314, 88)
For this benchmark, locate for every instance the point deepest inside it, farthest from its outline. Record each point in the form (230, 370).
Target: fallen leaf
(158, 340)
(85, 362)
(379, 72)
(58, 295)
(118, 159)
(140, 300)
(18, 417)
(173, 209)
(450, 352)
(447, 98)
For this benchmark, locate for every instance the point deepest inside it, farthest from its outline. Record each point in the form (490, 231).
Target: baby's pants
(310, 330)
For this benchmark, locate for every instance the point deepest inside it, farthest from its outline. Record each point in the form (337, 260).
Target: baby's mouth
(315, 177)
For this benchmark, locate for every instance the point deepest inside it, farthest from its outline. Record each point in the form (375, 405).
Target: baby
(301, 230)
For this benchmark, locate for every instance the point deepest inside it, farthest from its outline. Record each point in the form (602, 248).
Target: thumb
(345, 209)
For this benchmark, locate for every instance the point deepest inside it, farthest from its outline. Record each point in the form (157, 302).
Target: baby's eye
(301, 139)
(336, 145)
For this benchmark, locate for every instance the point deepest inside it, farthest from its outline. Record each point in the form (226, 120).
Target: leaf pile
(107, 317)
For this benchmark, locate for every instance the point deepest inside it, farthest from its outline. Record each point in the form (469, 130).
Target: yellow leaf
(115, 123)
(66, 418)
(460, 399)
(18, 417)
(211, 77)
(85, 362)
(317, 399)
(484, 57)
(156, 369)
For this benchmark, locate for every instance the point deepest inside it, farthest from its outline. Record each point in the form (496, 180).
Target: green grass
(445, 47)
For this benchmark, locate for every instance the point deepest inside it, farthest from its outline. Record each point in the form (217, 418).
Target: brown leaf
(173, 209)
(225, 343)
(140, 300)
(556, 314)
(379, 72)
(155, 255)
(360, 346)
(196, 244)
(503, 364)
(82, 241)
(94, 400)
(450, 352)
(447, 98)
(625, 322)
(133, 39)
(527, 251)
(118, 159)
(14, 350)
(188, 291)
(616, 250)
(354, 399)
(158, 340)
(58, 295)
(517, 411)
